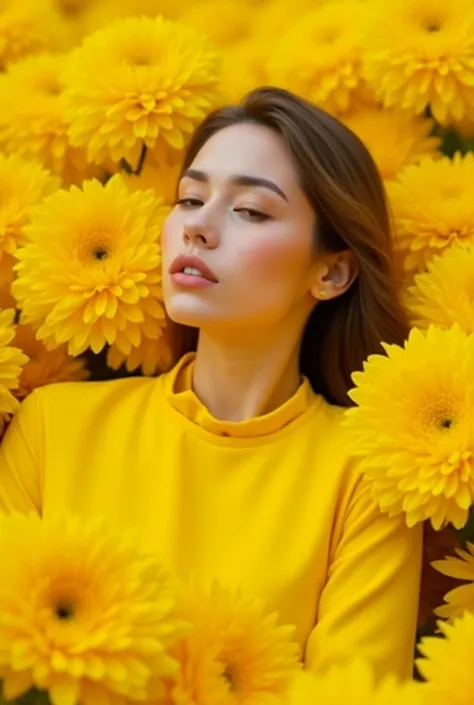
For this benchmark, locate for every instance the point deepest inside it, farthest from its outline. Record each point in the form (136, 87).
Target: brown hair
(341, 181)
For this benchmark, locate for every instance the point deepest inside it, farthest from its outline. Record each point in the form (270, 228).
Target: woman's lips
(191, 272)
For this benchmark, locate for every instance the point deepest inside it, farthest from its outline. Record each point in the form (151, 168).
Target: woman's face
(247, 227)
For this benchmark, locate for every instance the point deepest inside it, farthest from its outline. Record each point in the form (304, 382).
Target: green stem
(141, 161)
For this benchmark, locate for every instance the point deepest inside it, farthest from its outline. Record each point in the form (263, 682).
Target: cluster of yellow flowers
(98, 99)
(89, 615)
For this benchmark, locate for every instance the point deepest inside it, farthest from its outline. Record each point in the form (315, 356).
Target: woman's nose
(200, 233)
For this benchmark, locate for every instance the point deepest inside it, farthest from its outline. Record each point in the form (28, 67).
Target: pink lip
(192, 281)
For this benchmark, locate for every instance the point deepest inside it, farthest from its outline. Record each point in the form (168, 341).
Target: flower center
(141, 61)
(100, 253)
(329, 35)
(231, 678)
(440, 416)
(53, 89)
(433, 26)
(95, 247)
(64, 611)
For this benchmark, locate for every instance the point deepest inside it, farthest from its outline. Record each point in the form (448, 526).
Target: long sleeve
(368, 607)
(20, 482)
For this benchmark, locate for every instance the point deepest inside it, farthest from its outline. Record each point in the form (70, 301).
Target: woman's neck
(238, 379)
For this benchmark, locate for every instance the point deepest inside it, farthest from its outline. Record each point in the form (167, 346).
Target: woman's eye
(188, 202)
(252, 214)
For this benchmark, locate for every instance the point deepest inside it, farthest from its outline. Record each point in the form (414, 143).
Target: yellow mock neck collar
(179, 392)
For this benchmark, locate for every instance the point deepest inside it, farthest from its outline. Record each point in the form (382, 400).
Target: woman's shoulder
(78, 398)
(334, 442)
(92, 389)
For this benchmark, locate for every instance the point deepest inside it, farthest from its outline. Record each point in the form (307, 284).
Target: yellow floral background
(98, 99)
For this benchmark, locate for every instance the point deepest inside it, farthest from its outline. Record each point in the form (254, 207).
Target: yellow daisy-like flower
(152, 356)
(45, 366)
(234, 653)
(420, 54)
(318, 57)
(90, 274)
(394, 138)
(273, 15)
(158, 80)
(163, 180)
(23, 184)
(461, 599)
(353, 684)
(433, 208)
(413, 428)
(99, 14)
(32, 118)
(11, 362)
(28, 27)
(251, 56)
(447, 665)
(444, 294)
(85, 614)
(224, 21)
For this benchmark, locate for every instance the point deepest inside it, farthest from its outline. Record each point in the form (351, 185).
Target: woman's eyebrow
(238, 180)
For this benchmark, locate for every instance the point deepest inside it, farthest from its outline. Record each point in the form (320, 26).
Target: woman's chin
(193, 315)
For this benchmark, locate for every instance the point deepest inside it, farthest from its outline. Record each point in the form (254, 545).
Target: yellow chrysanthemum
(101, 13)
(152, 356)
(28, 27)
(275, 15)
(86, 614)
(433, 208)
(163, 180)
(224, 21)
(157, 80)
(444, 294)
(353, 684)
(251, 56)
(394, 138)
(413, 427)
(23, 184)
(233, 653)
(45, 366)
(461, 599)
(447, 665)
(32, 118)
(90, 274)
(11, 362)
(420, 54)
(318, 57)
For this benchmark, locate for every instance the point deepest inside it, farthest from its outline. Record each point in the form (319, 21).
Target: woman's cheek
(275, 256)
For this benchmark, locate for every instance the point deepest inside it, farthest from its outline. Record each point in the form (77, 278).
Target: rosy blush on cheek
(274, 257)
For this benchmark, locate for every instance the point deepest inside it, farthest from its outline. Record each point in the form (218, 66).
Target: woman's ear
(336, 276)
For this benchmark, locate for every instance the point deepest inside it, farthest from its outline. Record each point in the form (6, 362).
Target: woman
(234, 465)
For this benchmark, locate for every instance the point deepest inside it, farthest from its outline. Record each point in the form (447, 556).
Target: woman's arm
(20, 448)
(368, 608)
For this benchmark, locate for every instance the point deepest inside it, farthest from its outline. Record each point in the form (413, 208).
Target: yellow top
(271, 505)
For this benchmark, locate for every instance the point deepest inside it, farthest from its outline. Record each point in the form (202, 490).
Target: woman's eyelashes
(189, 202)
(248, 213)
(252, 214)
